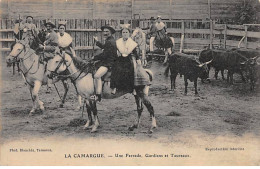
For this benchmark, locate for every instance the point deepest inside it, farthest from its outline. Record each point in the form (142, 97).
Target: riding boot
(98, 97)
(98, 88)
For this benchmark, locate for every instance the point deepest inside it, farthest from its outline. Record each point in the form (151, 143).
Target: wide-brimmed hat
(108, 27)
(152, 18)
(50, 23)
(29, 16)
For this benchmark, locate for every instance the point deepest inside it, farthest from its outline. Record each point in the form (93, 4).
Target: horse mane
(83, 66)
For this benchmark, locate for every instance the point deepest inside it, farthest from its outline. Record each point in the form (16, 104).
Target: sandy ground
(220, 110)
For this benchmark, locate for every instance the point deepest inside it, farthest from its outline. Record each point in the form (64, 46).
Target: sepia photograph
(130, 83)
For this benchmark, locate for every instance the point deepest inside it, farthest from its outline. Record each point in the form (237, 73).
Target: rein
(66, 76)
(23, 59)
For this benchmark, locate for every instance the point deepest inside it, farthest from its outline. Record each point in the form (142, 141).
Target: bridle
(58, 75)
(23, 59)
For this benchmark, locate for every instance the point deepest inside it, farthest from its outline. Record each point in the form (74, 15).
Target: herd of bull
(242, 61)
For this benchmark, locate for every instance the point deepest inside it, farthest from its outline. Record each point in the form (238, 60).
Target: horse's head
(58, 64)
(16, 52)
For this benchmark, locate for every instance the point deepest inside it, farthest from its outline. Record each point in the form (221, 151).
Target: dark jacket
(109, 54)
(51, 44)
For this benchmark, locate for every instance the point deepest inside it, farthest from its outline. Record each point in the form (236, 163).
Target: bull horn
(255, 58)
(209, 62)
(201, 65)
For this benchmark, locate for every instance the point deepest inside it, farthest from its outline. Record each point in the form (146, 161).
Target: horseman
(161, 28)
(50, 45)
(163, 39)
(30, 30)
(106, 58)
(64, 39)
(152, 32)
(17, 29)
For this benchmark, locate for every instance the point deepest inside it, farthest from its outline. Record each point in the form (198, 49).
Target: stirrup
(93, 98)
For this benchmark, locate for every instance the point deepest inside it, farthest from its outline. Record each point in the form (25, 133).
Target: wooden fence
(188, 34)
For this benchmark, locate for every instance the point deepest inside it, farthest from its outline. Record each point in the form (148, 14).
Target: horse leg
(18, 67)
(139, 111)
(35, 97)
(222, 74)
(89, 123)
(66, 88)
(148, 105)
(14, 68)
(79, 98)
(96, 121)
(144, 60)
(195, 86)
(186, 84)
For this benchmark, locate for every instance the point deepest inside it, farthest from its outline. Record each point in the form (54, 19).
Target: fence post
(225, 36)
(182, 36)
(246, 36)
(211, 34)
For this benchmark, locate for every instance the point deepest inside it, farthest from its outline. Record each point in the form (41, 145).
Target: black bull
(188, 66)
(222, 60)
(235, 61)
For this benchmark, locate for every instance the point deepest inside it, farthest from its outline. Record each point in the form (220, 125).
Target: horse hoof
(131, 128)
(78, 108)
(150, 131)
(94, 129)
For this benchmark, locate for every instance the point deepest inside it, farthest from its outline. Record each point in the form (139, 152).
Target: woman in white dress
(64, 39)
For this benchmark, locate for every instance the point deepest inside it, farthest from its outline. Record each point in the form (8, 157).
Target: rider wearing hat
(49, 46)
(160, 25)
(30, 30)
(51, 42)
(106, 58)
(152, 32)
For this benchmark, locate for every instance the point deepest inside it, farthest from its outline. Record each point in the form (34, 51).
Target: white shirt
(65, 40)
(126, 47)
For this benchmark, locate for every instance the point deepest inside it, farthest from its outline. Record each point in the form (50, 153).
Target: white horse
(33, 72)
(140, 38)
(81, 74)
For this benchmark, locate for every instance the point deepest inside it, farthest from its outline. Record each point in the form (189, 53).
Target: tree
(247, 12)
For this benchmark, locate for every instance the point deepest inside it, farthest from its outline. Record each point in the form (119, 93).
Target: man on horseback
(162, 39)
(50, 45)
(152, 32)
(30, 30)
(106, 58)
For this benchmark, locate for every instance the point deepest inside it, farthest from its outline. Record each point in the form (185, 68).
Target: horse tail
(166, 72)
(150, 73)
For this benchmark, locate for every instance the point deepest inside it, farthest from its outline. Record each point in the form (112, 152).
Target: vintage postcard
(130, 83)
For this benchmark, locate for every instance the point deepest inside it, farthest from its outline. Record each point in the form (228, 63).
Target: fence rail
(196, 34)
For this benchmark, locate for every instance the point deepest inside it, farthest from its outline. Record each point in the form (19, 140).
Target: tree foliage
(247, 12)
